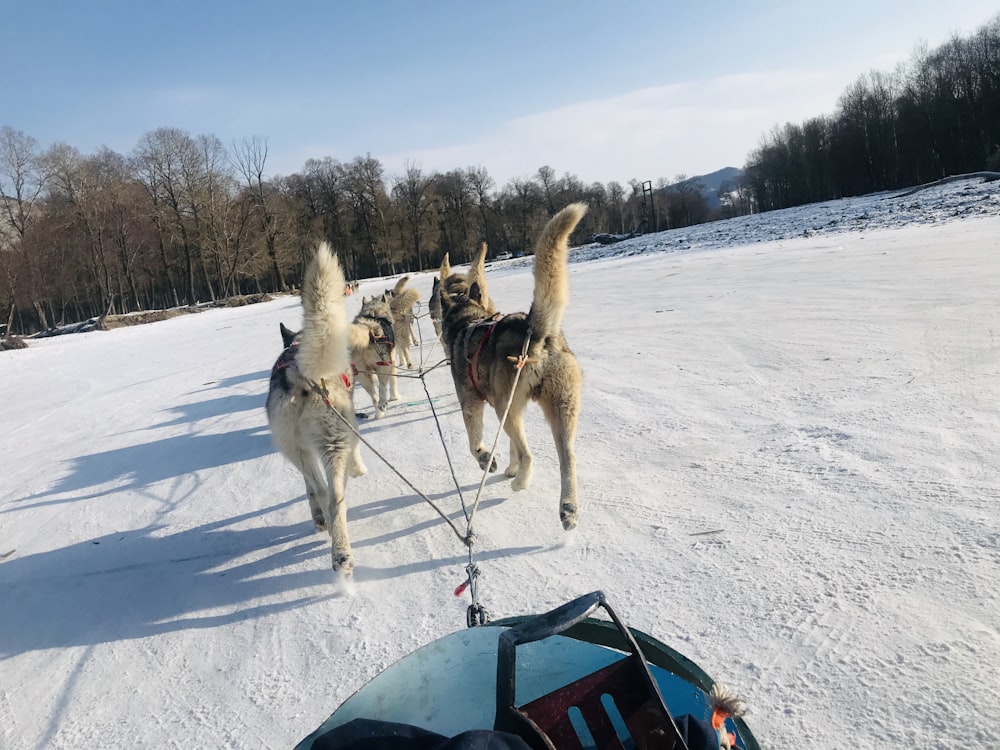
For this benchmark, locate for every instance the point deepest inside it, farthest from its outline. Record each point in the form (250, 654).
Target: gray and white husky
(305, 428)
(401, 301)
(482, 345)
(372, 344)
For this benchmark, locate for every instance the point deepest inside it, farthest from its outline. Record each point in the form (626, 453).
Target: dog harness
(286, 359)
(486, 325)
(387, 339)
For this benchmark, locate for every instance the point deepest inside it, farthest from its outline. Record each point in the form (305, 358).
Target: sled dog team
(310, 407)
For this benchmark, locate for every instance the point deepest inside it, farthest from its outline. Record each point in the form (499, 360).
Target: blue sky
(605, 91)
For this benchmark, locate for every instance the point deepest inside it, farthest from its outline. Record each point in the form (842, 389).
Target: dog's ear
(477, 276)
(477, 271)
(398, 289)
(445, 270)
(476, 293)
(287, 335)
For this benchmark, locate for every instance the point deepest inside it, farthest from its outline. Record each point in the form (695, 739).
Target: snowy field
(789, 462)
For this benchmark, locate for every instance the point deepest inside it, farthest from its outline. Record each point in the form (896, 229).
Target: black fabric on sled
(368, 734)
(697, 733)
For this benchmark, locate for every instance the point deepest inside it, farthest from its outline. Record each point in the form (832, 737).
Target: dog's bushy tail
(323, 342)
(551, 278)
(402, 304)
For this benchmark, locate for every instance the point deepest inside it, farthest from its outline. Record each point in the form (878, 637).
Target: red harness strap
(378, 342)
(489, 324)
(288, 357)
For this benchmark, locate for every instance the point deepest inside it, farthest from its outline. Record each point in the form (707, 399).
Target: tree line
(183, 219)
(935, 116)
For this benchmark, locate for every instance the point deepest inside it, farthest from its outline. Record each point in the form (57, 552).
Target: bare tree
(22, 179)
(456, 200)
(546, 177)
(616, 201)
(412, 191)
(365, 187)
(322, 193)
(158, 160)
(482, 186)
(250, 158)
(524, 213)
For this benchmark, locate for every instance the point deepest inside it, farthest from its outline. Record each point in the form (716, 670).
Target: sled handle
(559, 619)
(508, 717)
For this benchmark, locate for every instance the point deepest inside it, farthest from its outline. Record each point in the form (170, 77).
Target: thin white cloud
(690, 128)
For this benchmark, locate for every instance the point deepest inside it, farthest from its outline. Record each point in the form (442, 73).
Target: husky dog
(483, 344)
(401, 302)
(434, 305)
(372, 343)
(318, 436)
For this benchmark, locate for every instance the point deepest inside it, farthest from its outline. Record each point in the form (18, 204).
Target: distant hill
(712, 182)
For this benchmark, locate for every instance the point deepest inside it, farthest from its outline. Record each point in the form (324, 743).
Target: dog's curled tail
(551, 278)
(400, 285)
(323, 342)
(403, 302)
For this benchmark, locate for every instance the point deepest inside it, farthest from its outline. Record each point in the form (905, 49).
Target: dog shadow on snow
(144, 582)
(175, 457)
(147, 582)
(158, 579)
(213, 408)
(137, 467)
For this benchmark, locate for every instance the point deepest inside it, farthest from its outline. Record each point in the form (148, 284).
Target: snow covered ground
(789, 461)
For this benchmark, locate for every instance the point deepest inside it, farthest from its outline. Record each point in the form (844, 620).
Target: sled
(562, 680)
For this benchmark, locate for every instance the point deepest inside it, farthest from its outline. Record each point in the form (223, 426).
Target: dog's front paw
(343, 563)
(568, 514)
(484, 458)
(358, 470)
(319, 522)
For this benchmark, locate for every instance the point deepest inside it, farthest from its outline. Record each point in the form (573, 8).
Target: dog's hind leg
(393, 383)
(316, 491)
(343, 558)
(520, 457)
(357, 467)
(561, 412)
(472, 413)
(403, 344)
(386, 388)
(368, 383)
